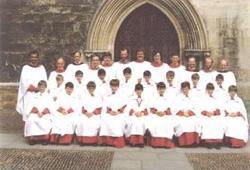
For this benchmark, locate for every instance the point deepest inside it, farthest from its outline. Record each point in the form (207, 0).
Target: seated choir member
(173, 88)
(236, 119)
(220, 90)
(79, 85)
(102, 86)
(161, 122)
(65, 116)
(88, 125)
(188, 129)
(136, 123)
(149, 87)
(39, 123)
(127, 83)
(112, 118)
(59, 89)
(196, 89)
(212, 119)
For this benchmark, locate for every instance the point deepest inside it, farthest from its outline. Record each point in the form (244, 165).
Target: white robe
(119, 67)
(149, 89)
(196, 92)
(138, 68)
(162, 127)
(65, 124)
(187, 76)
(186, 124)
(172, 91)
(229, 78)
(52, 84)
(89, 126)
(136, 125)
(73, 68)
(102, 88)
(158, 74)
(207, 77)
(236, 127)
(55, 92)
(127, 88)
(29, 76)
(211, 127)
(220, 92)
(112, 125)
(110, 72)
(35, 126)
(80, 89)
(178, 73)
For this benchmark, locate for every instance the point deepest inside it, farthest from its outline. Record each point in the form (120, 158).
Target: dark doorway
(150, 28)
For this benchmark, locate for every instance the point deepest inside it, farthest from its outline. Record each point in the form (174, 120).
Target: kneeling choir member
(65, 116)
(212, 123)
(38, 124)
(188, 128)
(162, 124)
(89, 121)
(136, 123)
(236, 119)
(113, 119)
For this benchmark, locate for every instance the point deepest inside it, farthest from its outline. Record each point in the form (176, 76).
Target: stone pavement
(128, 158)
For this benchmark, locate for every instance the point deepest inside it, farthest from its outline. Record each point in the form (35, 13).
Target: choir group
(136, 103)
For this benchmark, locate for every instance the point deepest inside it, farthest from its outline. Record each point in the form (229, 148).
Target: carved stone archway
(111, 13)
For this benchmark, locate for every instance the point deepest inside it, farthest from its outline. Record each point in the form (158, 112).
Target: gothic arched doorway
(147, 27)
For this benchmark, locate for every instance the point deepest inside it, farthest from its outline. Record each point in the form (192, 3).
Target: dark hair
(170, 73)
(114, 82)
(161, 85)
(195, 76)
(94, 55)
(34, 52)
(185, 84)
(175, 54)
(77, 52)
(107, 54)
(138, 87)
(101, 72)
(127, 70)
(59, 76)
(69, 84)
(42, 82)
(124, 49)
(219, 76)
(209, 86)
(146, 73)
(232, 88)
(79, 72)
(91, 84)
(140, 49)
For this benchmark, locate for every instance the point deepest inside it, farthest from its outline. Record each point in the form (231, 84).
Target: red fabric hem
(213, 140)
(160, 142)
(136, 139)
(66, 139)
(87, 139)
(39, 137)
(188, 138)
(117, 142)
(235, 142)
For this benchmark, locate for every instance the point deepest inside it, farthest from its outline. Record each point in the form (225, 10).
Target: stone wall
(58, 27)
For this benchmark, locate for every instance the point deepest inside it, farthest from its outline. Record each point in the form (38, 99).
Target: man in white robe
(212, 123)
(191, 69)
(108, 66)
(176, 67)
(88, 125)
(93, 68)
(161, 119)
(113, 118)
(236, 119)
(136, 123)
(75, 66)
(65, 116)
(38, 124)
(30, 76)
(122, 64)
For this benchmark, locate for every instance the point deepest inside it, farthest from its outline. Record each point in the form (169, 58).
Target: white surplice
(138, 68)
(158, 72)
(119, 67)
(73, 68)
(229, 78)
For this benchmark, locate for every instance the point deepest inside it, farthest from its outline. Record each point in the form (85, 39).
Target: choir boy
(79, 85)
(102, 86)
(196, 89)
(149, 87)
(220, 90)
(173, 88)
(59, 89)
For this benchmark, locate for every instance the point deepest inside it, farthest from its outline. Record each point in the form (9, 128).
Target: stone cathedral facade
(220, 28)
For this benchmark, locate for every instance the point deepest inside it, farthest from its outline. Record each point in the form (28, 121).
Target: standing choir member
(136, 123)
(122, 64)
(212, 119)
(208, 73)
(65, 117)
(229, 77)
(220, 90)
(93, 68)
(102, 86)
(196, 89)
(60, 69)
(236, 119)
(176, 67)
(188, 129)
(75, 66)
(173, 89)
(88, 125)
(112, 118)
(191, 69)
(108, 66)
(149, 87)
(38, 124)
(79, 85)
(158, 68)
(139, 65)
(30, 76)
(58, 90)
(161, 120)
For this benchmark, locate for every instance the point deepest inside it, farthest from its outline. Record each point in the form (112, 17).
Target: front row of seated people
(157, 120)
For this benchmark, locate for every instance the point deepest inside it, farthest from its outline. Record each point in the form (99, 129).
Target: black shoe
(32, 142)
(45, 142)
